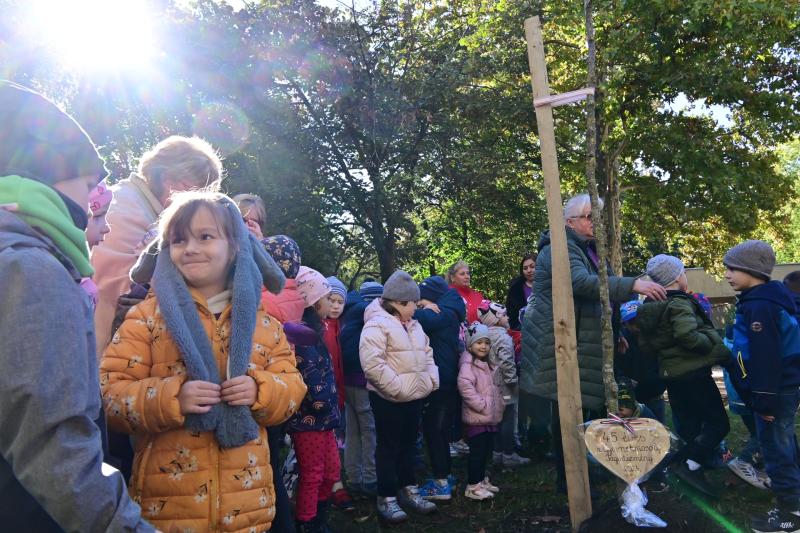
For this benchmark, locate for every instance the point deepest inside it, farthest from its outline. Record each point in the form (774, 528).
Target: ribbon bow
(614, 419)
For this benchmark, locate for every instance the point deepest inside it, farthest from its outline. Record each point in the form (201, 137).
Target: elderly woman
(459, 277)
(538, 367)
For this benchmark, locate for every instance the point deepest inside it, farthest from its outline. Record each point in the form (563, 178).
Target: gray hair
(575, 205)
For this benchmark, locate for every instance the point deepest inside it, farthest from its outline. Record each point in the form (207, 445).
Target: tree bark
(609, 381)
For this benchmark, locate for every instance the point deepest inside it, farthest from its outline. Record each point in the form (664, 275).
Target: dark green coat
(538, 365)
(681, 334)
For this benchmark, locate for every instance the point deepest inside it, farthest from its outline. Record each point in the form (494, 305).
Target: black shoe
(775, 521)
(695, 479)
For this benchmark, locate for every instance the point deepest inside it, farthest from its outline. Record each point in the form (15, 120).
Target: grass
(528, 502)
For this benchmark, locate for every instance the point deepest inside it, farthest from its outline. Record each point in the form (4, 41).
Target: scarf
(232, 425)
(43, 208)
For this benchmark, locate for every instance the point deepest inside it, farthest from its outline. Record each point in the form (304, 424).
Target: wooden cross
(568, 377)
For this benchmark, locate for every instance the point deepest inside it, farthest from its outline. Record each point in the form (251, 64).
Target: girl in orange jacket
(198, 370)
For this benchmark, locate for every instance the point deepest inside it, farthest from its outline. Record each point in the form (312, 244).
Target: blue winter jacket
(51, 453)
(442, 329)
(766, 346)
(319, 410)
(352, 322)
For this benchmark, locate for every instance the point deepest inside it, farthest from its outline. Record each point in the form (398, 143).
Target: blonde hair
(251, 203)
(177, 158)
(451, 272)
(176, 219)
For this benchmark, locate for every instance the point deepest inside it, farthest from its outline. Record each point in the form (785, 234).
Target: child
(359, 450)
(766, 372)
(312, 426)
(682, 336)
(341, 498)
(501, 357)
(398, 363)
(96, 229)
(198, 371)
(482, 409)
(440, 313)
(287, 305)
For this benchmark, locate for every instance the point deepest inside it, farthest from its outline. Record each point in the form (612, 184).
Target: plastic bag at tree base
(632, 449)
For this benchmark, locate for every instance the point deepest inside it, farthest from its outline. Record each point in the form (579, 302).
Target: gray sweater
(50, 447)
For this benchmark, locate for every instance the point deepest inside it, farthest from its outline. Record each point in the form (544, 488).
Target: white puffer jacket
(397, 360)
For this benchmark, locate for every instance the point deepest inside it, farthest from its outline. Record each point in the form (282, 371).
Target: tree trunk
(609, 382)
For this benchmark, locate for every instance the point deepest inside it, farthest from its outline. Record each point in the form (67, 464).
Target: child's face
(405, 310)
(323, 307)
(683, 283)
(336, 304)
(741, 281)
(502, 321)
(480, 348)
(625, 412)
(203, 255)
(97, 228)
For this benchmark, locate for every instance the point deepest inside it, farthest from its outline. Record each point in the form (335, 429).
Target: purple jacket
(482, 402)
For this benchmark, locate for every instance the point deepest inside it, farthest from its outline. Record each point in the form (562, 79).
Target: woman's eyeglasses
(587, 216)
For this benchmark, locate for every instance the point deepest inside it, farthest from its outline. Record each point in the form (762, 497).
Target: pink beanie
(100, 197)
(311, 285)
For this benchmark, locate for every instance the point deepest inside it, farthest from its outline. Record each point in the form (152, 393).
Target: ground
(528, 502)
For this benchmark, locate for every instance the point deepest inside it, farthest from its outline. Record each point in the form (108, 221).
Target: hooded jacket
(501, 356)
(183, 479)
(766, 346)
(319, 410)
(287, 305)
(443, 330)
(482, 404)
(50, 447)
(396, 358)
(538, 364)
(352, 322)
(681, 335)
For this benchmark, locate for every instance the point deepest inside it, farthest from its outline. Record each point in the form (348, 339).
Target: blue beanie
(628, 310)
(337, 287)
(370, 290)
(433, 288)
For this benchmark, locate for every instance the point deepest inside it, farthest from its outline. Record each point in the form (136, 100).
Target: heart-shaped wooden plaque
(628, 455)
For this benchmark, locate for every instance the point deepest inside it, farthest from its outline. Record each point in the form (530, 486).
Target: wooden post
(569, 387)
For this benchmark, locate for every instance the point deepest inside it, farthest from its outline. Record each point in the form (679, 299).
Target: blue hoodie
(766, 346)
(352, 321)
(443, 329)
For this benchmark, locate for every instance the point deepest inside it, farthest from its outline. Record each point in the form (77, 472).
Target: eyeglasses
(587, 216)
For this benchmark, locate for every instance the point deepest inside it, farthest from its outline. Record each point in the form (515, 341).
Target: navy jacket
(319, 410)
(442, 329)
(766, 346)
(352, 322)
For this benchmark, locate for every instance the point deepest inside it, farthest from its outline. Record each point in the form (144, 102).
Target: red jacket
(331, 339)
(286, 306)
(472, 299)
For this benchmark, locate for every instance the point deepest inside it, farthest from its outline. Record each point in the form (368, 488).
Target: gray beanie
(757, 258)
(475, 332)
(664, 269)
(401, 287)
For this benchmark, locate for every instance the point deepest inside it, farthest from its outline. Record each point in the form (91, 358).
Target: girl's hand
(240, 390)
(254, 228)
(198, 397)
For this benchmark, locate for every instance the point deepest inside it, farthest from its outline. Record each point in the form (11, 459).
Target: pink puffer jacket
(287, 305)
(482, 403)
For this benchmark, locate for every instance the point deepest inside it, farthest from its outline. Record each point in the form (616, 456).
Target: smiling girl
(196, 373)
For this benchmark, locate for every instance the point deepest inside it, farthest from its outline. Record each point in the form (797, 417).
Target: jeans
(480, 449)
(396, 426)
(504, 439)
(779, 444)
(284, 518)
(703, 420)
(752, 446)
(437, 423)
(359, 450)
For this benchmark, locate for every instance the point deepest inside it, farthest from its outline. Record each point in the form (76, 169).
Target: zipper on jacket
(740, 360)
(214, 492)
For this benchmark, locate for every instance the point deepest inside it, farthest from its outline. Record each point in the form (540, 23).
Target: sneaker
(409, 497)
(746, 471)
(695, 479)
(461, 447)
(515, 460)
(342, 500)
(497, 458)
(775, 521)
(488, 486)
(390, 511)
(433, 490)
(453, 451)
(477, 492)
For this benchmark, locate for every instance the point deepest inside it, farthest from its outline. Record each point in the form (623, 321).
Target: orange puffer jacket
(184, 481)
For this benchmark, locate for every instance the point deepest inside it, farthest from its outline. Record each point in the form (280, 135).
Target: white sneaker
(409, 497)
(486, 484)
(515, 460)
(477, 492)
(747, 472)
(390, 511)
